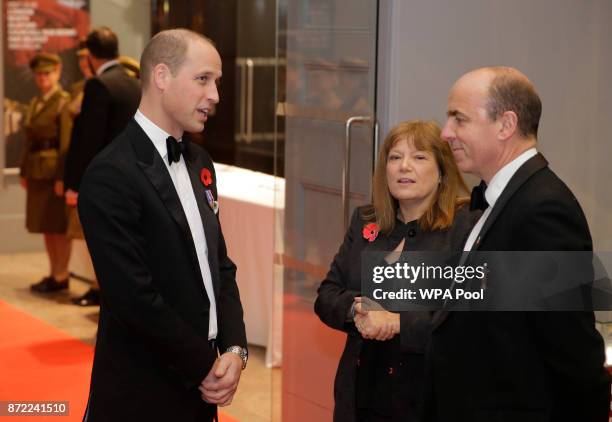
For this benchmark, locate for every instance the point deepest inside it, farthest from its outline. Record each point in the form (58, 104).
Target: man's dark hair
(168, 47)
(511, 92)
(102, 43)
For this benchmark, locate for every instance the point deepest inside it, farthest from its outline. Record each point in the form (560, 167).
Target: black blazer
(109, 102)
(343, 283)
(522, 366)
(152, 347)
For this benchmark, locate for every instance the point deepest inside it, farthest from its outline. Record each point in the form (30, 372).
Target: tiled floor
(253, 401)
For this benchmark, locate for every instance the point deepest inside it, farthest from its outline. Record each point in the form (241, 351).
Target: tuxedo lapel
(531, 166)
(155, 169)
(209, 219)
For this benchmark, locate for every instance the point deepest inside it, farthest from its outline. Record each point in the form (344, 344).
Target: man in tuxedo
(514, 366)
(110, 100)
(148, 204)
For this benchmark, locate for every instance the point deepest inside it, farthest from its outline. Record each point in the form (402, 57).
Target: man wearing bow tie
(514, 366)
(171, 339)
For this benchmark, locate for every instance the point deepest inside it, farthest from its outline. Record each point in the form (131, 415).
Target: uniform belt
(42, 145)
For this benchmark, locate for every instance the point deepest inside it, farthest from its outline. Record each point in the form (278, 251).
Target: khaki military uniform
(47, 138)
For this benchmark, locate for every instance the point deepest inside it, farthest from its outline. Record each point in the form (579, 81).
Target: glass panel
(330, 52)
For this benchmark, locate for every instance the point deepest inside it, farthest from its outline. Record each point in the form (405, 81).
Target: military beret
(45, 62)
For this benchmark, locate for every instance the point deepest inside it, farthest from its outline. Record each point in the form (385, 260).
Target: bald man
(514, 366)
(171, 339)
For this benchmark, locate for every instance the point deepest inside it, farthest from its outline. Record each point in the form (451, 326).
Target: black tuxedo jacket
(109, 102)
(521, 366)
(152, 347)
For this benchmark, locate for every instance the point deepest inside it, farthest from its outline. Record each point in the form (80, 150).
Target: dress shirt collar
(156, 134)
(106, 65)
(502, 177)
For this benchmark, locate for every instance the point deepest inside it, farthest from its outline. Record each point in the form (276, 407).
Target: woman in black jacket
(416, 207)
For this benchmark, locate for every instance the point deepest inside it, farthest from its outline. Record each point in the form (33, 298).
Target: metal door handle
(346, 168)
(239, 137)
(375, 160)
(249, 102)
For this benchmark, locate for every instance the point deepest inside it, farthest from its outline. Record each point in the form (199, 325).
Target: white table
(251, 209)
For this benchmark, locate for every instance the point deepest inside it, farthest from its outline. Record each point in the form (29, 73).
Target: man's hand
(58, 187)
(375, 324)
(71, 198)
(221, 382)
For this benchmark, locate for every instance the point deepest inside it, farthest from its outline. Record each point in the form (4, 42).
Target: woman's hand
(378, 325)
(71, 198)
(58, 187)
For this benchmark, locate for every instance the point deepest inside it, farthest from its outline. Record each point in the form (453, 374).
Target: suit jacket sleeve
(335, 295)
(566, 338)
(90, 137)
(229, 308)
(110, 210)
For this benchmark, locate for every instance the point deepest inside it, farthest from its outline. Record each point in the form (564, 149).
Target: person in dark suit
(169, 298)
(110, 100)
(514, 366)
(416, 207)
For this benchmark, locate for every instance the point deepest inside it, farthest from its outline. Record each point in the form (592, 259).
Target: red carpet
(39, 362)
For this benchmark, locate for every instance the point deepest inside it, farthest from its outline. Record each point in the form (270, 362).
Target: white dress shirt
(106, 65)
(494, 190)
(182, 183)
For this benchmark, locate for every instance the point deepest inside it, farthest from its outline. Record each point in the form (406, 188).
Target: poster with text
(51, 26)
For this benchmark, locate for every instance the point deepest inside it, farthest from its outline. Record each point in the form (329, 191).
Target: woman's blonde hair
(425, 136)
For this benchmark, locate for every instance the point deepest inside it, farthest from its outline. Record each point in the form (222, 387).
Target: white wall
(130, 19)
(562, 45)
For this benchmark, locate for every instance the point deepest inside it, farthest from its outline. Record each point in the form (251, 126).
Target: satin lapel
(209, 219)
(155, 169)
(531, 166)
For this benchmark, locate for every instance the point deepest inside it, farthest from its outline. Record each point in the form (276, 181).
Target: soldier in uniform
(42, 169)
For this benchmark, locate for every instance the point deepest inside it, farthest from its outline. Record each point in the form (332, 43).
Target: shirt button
(412, 233)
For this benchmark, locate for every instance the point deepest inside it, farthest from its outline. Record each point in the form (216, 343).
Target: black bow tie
(478, 200)
(175, 149)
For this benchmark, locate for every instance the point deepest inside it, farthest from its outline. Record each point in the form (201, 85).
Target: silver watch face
(240, 351)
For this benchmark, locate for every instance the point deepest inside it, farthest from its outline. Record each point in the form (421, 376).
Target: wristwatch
(240, 351)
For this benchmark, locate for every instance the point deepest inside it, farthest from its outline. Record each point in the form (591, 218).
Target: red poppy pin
(205, 176)
(370, 231)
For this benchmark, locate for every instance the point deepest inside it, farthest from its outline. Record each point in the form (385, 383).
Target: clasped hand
(221, 382)
(375, 324)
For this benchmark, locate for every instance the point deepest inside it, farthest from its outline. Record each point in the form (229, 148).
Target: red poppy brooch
(206, 177)
(370, 231)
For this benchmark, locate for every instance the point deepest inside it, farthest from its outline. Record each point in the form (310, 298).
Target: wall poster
(29, 27)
